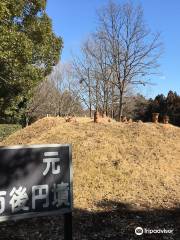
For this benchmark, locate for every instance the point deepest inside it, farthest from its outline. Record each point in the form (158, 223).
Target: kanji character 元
(52, 160)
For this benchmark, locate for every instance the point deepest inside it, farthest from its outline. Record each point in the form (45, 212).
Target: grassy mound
(8, 129)
(135, 163)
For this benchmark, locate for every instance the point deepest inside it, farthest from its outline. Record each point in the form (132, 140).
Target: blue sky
(73, 20)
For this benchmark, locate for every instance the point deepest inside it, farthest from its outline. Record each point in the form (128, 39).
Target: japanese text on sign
(54, 190)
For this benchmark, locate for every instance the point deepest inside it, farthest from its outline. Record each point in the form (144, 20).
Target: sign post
(68, 226)
(36, 180)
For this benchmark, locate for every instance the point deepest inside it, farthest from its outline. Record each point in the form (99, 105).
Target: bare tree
(132, 49)
(120, 53)
(56, 95)
(44, 101)
(102, 72)
(94, 74)
(83, 71)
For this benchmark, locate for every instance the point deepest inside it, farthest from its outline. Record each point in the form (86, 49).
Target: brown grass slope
(135, 163)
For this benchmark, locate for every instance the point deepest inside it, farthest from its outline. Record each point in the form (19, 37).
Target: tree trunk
(104, 101)
(27, 120)
(90, 97)
(112, 102)
(107, 100)
(120, 106)
(97, 95)
(90, 110)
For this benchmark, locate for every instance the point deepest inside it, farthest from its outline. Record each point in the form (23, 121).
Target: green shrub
(8, 129)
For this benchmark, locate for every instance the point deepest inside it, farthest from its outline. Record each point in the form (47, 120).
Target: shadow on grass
(115, 222)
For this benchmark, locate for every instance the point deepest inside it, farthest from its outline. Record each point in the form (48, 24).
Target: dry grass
(134, 163)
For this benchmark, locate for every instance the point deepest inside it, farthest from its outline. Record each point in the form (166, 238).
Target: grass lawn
(124, 176)
(8, 129)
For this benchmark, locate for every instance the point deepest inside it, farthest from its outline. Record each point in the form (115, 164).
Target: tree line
(119, 55)
(164, 105)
